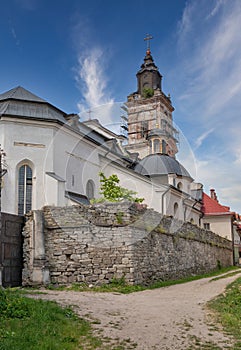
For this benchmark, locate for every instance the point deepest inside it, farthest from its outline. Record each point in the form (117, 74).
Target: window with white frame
(24, 189)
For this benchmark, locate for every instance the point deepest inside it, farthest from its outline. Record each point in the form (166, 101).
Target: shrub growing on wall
(148, 92)
(113, 192)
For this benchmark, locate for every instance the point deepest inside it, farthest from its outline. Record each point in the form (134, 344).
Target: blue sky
(83, 54)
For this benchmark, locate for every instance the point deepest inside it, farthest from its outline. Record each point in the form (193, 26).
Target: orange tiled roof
(212, 207)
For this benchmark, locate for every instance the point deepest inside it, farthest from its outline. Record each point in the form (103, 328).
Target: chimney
(213, 195)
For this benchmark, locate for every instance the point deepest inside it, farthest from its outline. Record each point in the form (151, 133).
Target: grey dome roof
(160, 164)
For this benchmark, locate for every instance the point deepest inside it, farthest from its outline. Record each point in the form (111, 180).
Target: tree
(113, 192)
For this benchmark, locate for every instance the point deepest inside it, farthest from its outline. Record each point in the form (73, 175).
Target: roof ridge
(14, 91)
(22, 94)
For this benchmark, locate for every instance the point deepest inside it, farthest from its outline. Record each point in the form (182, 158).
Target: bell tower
(148, 77)
(150, 123)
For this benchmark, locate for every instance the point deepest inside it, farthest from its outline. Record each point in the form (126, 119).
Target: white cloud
(210, 66)
(202, 137)
(214, 172)
(185, 25)
(91, 70)
(92, 80)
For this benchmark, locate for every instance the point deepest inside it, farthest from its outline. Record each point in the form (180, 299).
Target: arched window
(90, 189)
(156, 144)
(24, 189)
(175, 209)
(179, 186)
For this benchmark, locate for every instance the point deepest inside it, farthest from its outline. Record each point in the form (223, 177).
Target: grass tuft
(228, 308)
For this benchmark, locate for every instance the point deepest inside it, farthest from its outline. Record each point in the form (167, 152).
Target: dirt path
(173, 317)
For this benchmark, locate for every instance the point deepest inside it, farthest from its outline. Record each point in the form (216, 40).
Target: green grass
(40, 325)
(35, 324)
(228, 308)
(29, 324)
(120, 285)
(225, 276)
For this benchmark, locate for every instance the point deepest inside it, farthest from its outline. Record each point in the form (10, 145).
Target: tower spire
(148, 46)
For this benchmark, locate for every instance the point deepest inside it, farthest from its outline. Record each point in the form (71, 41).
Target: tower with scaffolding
(149, 119)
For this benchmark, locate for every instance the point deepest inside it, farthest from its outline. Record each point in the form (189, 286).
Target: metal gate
(11, 252)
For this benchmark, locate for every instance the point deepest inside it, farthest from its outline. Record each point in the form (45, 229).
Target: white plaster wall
(170, 199)
(75, 160)
(221, 225)
(27, 133)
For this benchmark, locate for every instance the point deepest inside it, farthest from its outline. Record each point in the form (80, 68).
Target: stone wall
(95, 244)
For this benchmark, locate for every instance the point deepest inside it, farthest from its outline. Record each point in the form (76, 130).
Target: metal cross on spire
(147, 39)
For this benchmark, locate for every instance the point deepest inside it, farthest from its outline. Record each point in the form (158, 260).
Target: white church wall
(76, 160)
(55, 191)
(25, 143)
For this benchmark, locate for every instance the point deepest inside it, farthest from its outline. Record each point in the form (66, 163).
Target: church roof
(148, 64)
(21, 103)
(160, 164)
(19, 93)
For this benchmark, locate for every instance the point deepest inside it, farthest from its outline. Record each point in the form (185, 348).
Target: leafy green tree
(112, 192)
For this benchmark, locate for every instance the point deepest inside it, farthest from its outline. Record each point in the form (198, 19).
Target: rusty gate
(11, 254)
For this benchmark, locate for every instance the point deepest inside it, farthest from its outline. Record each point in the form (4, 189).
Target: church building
(54, 159)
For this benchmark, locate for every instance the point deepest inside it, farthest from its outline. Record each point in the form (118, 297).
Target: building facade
(221, 220)
(53, 159)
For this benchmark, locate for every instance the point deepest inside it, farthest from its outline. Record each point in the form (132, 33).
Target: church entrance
(11, 253)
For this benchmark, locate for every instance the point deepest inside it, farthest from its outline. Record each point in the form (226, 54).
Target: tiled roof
(212, 206)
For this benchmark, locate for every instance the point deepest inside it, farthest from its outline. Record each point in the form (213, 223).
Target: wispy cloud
(216, 8)
(214, 56)
(92, 80)
(91, 72)
(210, 51)
(202, 137)
(17, 42)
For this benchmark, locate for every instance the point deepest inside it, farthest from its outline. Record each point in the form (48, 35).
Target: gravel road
(174, 317)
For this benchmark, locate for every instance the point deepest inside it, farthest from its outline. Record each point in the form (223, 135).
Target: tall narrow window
(175, 210)
(90, 189)
(24, 189)
(150, 147)
(156, 146)
(164, 147)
